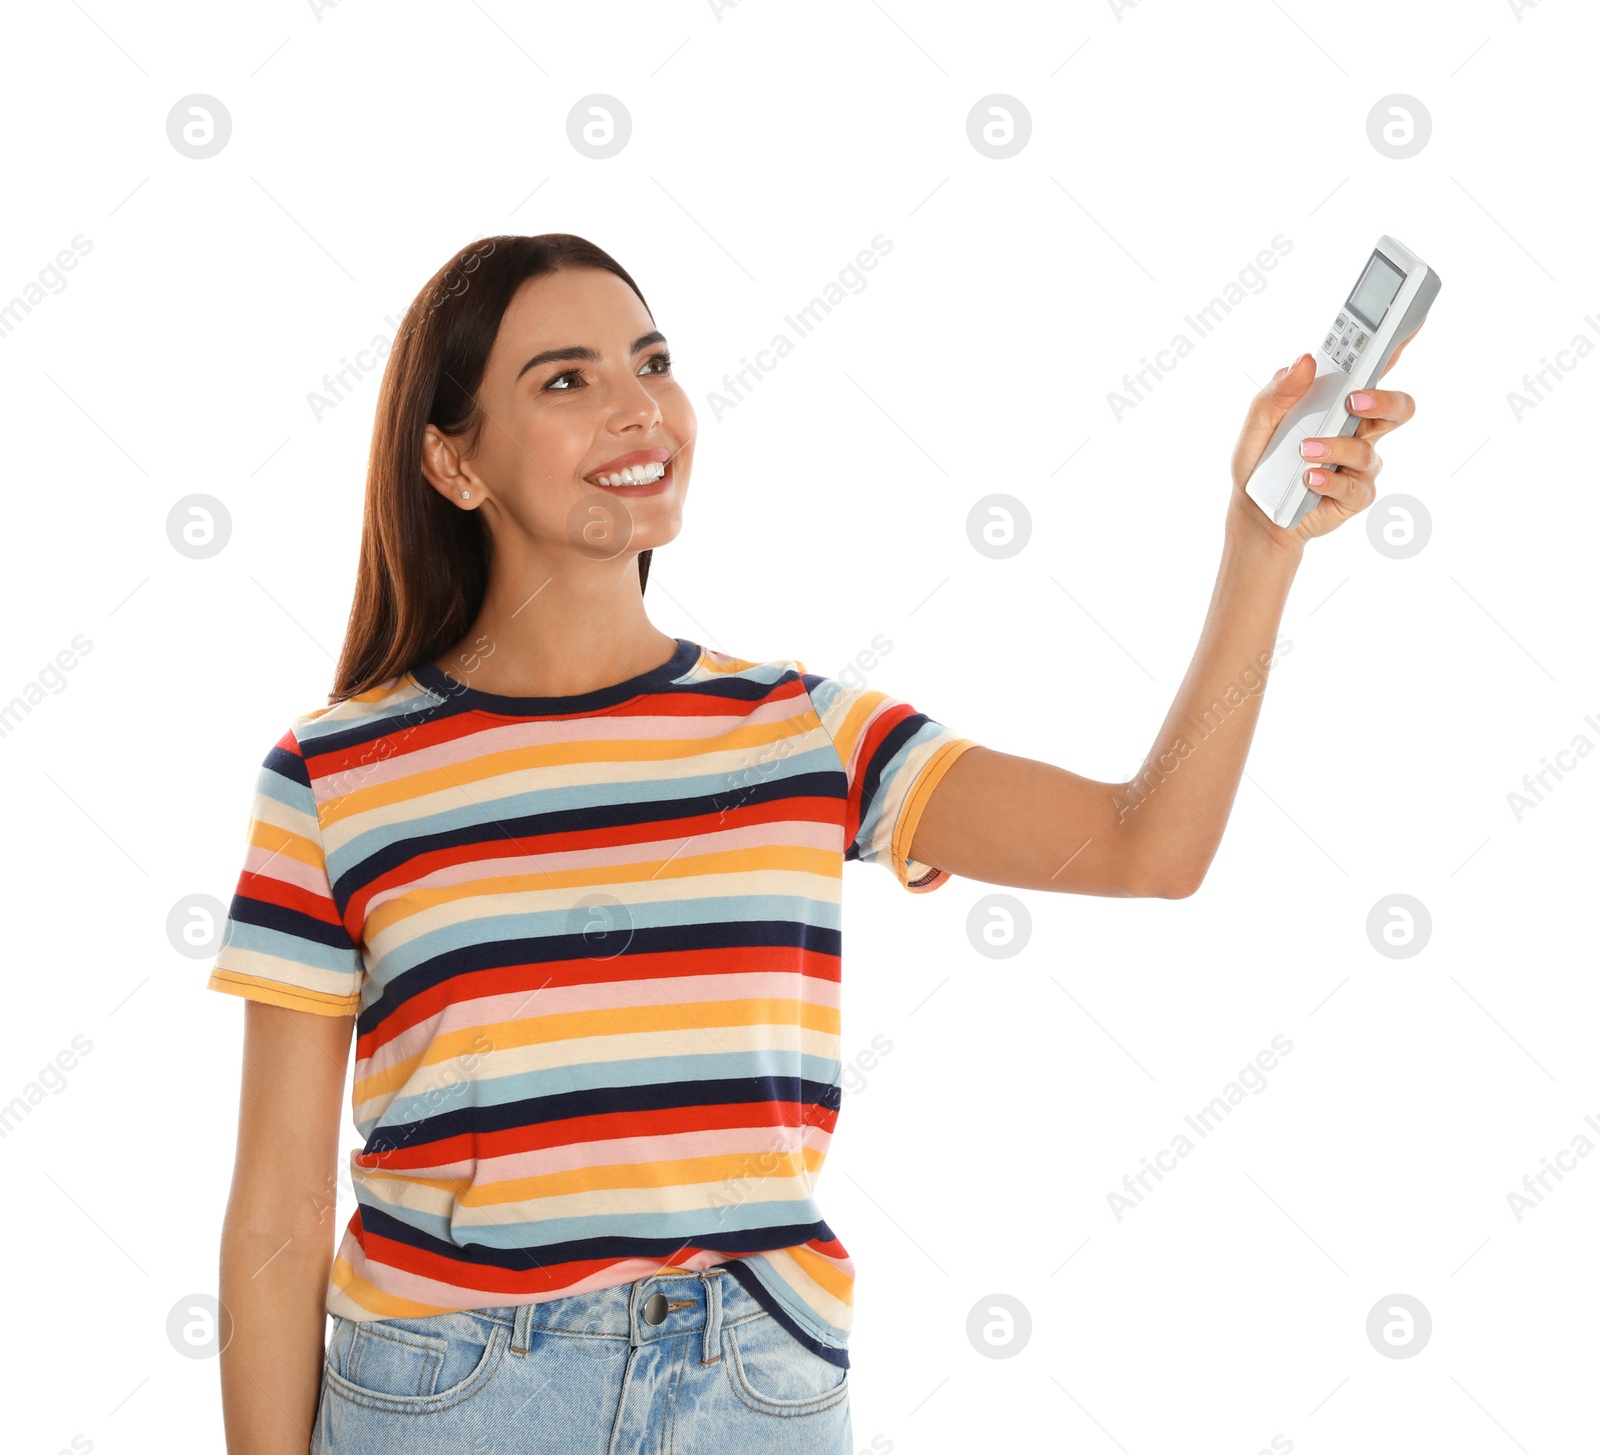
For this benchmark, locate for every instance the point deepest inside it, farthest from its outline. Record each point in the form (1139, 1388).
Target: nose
(636, 408)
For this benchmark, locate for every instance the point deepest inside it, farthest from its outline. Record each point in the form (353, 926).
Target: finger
(1348, 452)
(1281, 392)
(1274, 400)
(1381, 404)
(1379, 410)
(1350, 490)
(1394, 358)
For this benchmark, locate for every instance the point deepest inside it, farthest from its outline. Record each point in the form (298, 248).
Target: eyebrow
(579, 354)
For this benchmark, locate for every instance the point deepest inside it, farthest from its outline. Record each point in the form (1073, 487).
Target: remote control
(1391, 298)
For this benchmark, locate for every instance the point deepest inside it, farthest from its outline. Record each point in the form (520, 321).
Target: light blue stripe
(607, 918)
(802, 1313)
(603, 1075)
(244, 936)
(699, 1224)
(893, 785)
(489, 814)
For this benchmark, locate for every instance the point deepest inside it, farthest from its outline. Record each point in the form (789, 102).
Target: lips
(661, 454)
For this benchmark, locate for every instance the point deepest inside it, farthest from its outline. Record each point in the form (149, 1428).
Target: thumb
(1274, 400)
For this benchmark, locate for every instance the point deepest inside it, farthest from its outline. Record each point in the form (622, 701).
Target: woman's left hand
(1346, 491)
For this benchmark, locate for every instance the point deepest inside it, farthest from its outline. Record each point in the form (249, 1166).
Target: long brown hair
(424, 566)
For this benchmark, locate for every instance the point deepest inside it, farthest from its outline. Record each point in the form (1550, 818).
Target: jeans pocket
(413, 1365)
(773, 1372)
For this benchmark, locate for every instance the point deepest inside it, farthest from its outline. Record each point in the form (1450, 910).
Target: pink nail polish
(1313, 449)
(1316, 477)
(1360, 401)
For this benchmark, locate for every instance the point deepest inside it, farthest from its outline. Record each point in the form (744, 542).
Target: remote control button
(1329, 343)
(1361, 340)
(1348, 361)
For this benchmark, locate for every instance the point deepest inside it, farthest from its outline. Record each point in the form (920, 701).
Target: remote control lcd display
(1376, 290)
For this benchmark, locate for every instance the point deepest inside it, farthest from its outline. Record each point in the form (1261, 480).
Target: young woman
(574, 885)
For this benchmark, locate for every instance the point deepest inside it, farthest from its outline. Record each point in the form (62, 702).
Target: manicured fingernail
(1316, 477)
(1313, 449)
(1360, 401)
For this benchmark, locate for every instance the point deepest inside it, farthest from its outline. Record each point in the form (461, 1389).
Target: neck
(556, 630)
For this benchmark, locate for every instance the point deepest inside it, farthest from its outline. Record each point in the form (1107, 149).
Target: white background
(1170, 143)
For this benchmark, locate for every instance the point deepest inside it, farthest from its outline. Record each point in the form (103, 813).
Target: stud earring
(466, 495)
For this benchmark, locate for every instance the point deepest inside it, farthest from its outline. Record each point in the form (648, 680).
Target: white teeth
(634, 475)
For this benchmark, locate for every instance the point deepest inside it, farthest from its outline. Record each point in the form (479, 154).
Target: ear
(444, 469)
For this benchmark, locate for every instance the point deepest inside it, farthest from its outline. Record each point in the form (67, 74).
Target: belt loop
(521, 1328)
(712, 1278)
(636, 1297)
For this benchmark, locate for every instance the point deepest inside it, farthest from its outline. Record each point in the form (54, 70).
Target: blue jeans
(678, 1363)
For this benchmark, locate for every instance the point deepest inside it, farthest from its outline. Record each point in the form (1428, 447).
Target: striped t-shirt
(592, 943)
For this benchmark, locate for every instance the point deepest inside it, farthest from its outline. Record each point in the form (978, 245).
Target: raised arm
(1015, 821)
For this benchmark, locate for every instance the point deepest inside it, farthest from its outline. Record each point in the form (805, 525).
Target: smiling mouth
(645, 474)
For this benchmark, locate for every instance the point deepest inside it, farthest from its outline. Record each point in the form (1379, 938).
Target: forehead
(580, 306)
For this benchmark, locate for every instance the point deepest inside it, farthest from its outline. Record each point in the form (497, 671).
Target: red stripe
(554, 1279)
(265, 889)
(732, 816)
(529, 978)
(602, 1127)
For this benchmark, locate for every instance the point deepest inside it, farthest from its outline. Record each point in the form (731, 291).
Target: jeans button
(655, 1308)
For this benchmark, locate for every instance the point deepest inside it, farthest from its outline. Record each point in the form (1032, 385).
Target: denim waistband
(688, 1301)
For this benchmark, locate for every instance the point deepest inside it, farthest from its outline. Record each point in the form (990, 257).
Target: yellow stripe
(280, 842)
(532, 757)
(795, 858)
(725, 668)
(683, 1173)
(372, 1300)
(862, 709)
(626, 1020)
(917, 800)
(273, 992)
(825, 1272)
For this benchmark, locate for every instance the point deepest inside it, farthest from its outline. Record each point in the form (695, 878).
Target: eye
(659, 362)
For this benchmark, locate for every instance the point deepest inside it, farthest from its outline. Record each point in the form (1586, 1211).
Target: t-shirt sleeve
(284, 941)
(893, 757)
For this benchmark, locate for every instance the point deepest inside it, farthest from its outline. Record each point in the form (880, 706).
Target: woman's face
(578, 379)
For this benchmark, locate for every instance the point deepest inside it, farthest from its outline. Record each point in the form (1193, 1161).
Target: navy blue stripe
(603, 1101)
